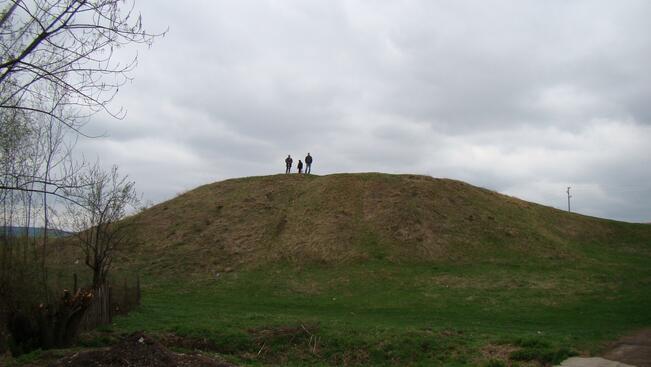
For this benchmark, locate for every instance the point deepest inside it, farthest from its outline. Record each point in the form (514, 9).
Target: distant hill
(348, 218)
(32, 231)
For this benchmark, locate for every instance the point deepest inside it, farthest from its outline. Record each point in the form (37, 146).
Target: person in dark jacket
(308, 163)
(300, 166)
(288, 163)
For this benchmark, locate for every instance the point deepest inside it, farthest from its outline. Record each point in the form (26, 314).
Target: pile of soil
(137, 350)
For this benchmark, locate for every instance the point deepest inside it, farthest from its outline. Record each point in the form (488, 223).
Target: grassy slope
(347, 218)
(385, 269)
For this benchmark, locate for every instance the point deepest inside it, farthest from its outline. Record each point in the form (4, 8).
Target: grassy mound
(351, 218)
(383, 270)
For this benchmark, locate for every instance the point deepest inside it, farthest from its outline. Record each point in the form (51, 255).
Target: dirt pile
(137, 350)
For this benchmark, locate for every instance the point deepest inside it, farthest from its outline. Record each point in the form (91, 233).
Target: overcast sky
(522, 97)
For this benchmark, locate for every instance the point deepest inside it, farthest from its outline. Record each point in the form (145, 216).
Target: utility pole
(568, 199)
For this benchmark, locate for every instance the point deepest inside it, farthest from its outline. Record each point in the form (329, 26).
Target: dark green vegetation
(373, 269)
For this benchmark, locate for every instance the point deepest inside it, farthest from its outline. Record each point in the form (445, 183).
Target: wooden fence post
(109, 299)
(138, 290)
(126, 299)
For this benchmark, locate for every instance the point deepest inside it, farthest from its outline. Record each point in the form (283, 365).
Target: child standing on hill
(300, 166)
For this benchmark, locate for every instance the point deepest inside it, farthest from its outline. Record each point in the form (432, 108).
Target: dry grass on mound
(347, 218)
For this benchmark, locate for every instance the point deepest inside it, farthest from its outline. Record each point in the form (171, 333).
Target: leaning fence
(109, 300)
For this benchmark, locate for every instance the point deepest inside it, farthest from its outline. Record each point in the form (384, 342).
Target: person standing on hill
(300, 167)
(308, 163)
(288, 163)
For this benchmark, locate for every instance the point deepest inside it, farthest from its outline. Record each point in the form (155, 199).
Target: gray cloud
(523, 97)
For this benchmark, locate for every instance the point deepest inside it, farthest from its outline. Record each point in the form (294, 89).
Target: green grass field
(379, 313)
(381, 270)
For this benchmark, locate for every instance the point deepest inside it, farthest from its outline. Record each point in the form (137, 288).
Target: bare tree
(58, 59)
(59, 66)
(68, 43)
(56, 166)
(33, 155)
(106, 198)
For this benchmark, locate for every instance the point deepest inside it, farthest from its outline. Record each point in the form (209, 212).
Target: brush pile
(137, 350)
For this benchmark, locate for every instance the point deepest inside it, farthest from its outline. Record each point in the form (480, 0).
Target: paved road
(634, 349)
(630, 351)
(592, 362)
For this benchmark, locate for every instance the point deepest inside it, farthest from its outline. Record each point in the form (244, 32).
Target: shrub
(542, 355)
